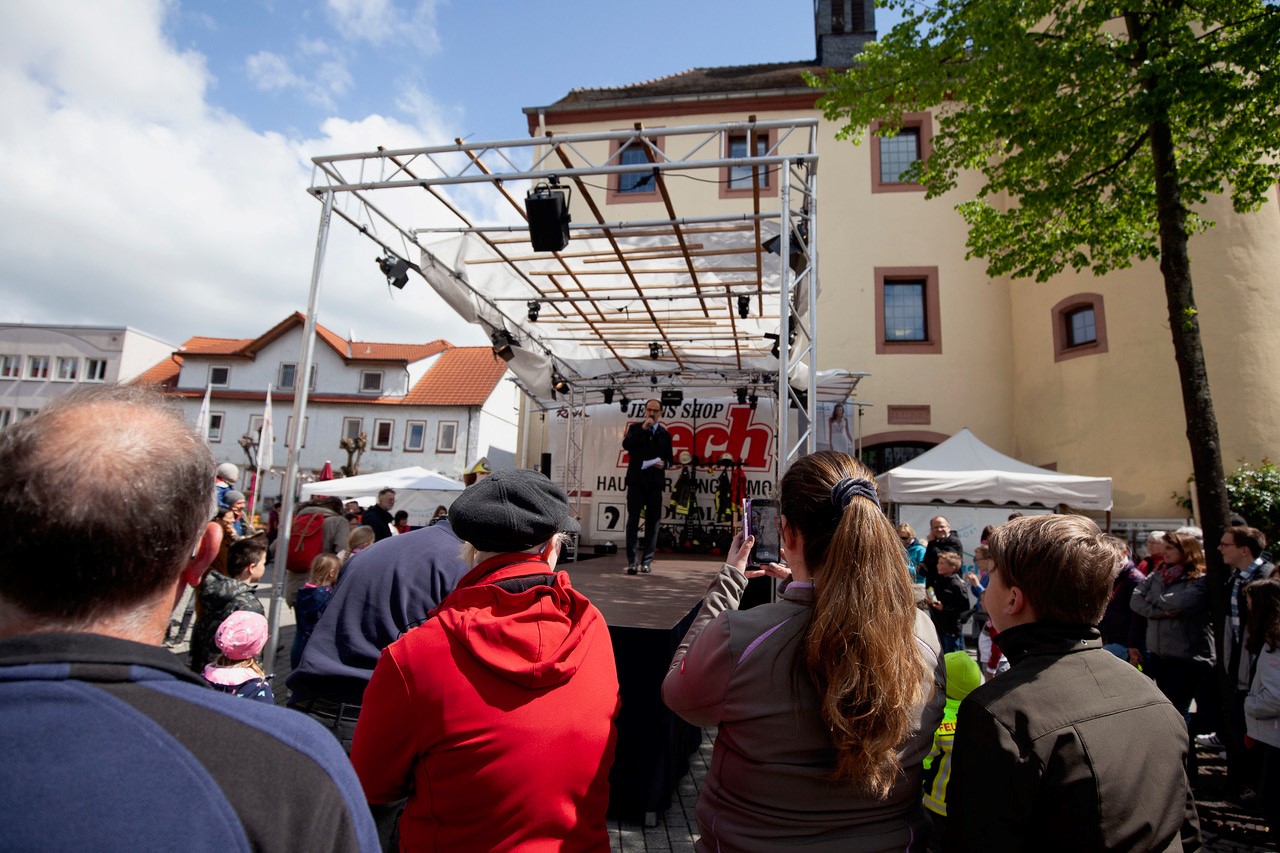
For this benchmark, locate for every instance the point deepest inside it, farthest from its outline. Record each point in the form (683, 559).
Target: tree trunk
(1184, 324)
(1197, 401)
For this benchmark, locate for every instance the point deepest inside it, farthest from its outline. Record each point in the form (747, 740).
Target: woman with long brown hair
(826, 700)
(1175, 600)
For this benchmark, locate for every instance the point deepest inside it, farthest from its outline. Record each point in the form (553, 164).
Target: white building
(40, 362)
(435, 405)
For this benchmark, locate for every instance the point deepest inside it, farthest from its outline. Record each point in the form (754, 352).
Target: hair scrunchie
(849, 488)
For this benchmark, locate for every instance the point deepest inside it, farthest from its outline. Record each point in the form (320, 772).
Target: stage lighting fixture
(671, 397)
(503, 341)
(559, 383)
(395, 269)
(776, 351)
(535, 308)
(655, 350)
(753, 401)
(653, 380)
(742, 396)
(547, 207)
(744, 306)
(624, 403)
(608, 396)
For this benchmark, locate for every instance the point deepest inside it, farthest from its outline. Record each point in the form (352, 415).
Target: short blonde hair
(324, 569)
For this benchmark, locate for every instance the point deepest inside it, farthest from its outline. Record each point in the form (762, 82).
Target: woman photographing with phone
(826, 700)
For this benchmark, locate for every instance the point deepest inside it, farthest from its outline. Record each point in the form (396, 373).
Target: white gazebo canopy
(963, 469)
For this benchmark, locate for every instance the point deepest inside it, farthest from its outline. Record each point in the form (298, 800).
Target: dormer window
(371, 382)
(219, 375)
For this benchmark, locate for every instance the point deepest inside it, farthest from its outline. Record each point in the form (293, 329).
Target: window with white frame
(289, 428)
(37, 367)
(23, 414)
(371, 382)
(415, 436)
(219, 375)
(352, 427)
(68, 369)
(255, 428)
(6, 416)
(286, 376)
(215, 426)
(447, 437)
(383, 432)
(10, 366)
(95, 370)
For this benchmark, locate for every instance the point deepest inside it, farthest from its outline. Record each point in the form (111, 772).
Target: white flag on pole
(266, 442)
(202, 419)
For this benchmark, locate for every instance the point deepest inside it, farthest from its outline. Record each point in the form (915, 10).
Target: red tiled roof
(214, 346)
(349, 350)
(164, 373)
(462, 376)
(702, 81)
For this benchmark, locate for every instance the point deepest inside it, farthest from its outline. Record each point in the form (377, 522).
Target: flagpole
(202, 419)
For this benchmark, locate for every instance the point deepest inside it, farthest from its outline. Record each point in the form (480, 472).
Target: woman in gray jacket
(1175, 600)
(826, 700)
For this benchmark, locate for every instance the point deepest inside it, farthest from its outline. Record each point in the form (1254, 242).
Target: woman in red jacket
(495, 717)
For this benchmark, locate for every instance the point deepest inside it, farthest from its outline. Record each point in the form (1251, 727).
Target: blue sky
(155, 153)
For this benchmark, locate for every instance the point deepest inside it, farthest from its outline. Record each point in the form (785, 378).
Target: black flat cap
(511, 511)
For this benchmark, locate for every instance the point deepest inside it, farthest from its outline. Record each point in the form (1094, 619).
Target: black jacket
(642, 445)
(1072, 749)
(950, 542)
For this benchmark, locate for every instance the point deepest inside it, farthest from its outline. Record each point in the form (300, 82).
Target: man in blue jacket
(138, 753)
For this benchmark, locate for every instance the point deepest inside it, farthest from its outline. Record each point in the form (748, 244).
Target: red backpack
(306, 541)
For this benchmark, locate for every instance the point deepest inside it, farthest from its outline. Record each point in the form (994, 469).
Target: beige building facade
(1076, 374)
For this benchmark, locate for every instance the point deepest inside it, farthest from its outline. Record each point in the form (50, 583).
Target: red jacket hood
(532, 637)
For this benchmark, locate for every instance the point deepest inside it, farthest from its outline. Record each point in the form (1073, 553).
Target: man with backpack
(318, 528)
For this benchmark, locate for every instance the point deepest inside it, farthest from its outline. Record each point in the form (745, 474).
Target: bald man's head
(103, 496)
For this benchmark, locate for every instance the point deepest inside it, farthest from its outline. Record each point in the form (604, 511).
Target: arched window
(1079, 326)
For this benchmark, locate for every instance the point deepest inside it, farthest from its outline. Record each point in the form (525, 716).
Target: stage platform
(648, 616)
(659, 599)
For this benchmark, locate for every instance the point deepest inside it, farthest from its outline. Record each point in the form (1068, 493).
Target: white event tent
(418, 490)
(963, 469)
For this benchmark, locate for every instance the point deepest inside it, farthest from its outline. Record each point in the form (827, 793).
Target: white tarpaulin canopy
(418, 490)
(963, 469)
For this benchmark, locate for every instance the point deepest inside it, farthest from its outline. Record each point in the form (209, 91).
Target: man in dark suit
(649, 447)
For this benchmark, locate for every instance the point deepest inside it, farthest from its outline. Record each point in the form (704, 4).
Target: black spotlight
(395, 269)
(655, 350)
(559, 383)
(744, 306)
(753, 401)
(608, 396)
(624, 403)
(742, 396)
(535, 308)
(776, 351)
(547, 207)
(503, 341)
(671, 397)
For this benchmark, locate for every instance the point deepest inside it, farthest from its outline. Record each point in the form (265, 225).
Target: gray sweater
(1177, 617)
(769, 784)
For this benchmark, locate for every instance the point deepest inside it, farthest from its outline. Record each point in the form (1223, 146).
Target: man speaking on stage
(649, 447)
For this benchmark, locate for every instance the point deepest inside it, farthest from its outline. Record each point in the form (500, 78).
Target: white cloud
(130, 201)
(383, 21)
(270, 72)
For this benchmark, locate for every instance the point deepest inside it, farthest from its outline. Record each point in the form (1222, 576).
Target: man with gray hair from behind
(141, 755)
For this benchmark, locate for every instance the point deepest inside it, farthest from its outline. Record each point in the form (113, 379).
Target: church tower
(842, 27)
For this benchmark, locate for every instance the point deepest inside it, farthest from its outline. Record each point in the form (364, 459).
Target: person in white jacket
(1262, 705)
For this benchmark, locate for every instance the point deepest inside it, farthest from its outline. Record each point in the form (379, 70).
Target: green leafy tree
(1099, 129)
(1254, 491)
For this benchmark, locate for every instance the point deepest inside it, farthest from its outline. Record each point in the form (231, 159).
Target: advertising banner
(719, 440)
